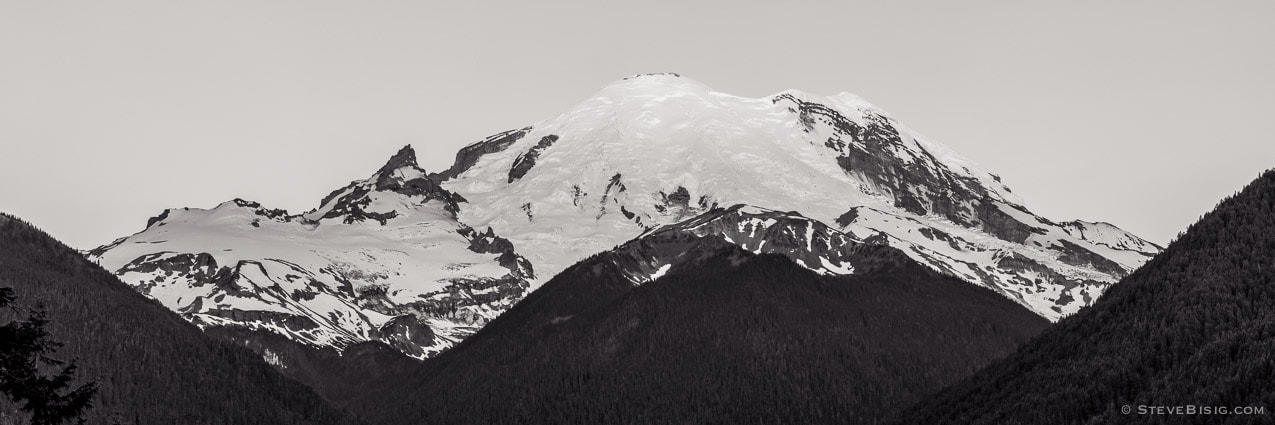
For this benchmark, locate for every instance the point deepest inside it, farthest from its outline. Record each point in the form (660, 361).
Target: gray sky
(1141, 113)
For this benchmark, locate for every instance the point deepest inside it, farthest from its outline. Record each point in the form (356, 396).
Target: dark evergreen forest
(1194, 326)
(733, 338)
(337, 376)
(150, 366)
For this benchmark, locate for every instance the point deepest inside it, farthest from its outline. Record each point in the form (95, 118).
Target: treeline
(150, 366)
(1194, 326)
(751, 342)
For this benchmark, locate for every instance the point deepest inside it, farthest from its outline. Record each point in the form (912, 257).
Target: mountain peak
(669, 84)
(655, 78)
(653, 150)
(654, 75)
(398, 186)
(405, 157)
(657, 84)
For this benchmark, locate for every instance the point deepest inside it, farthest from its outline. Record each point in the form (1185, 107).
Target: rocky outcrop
(490, 243)
(401, 175)
(653, 74)
(1079, 256)
(468, 301)
(875, 150)
(201, 269)
(270, 213)
(469, 155)
(848, 217)
(1018, 263)
(808, 242)
(351, 207)
(995, 221)
(407, 334)
(677, 204)
(156, 219)
(527, 160)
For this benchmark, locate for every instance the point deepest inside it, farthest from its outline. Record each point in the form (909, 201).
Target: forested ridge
(1194, 326)
(336, 376)
(150, 366)
(735, 339)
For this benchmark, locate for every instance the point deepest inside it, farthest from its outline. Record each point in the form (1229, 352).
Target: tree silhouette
(25, 350)
(148, 362)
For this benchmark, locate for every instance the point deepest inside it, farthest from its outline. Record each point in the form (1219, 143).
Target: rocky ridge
(382, 259)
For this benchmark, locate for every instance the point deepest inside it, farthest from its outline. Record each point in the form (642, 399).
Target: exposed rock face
(919, 184)
(210, 294)
(809, 243)
(156, 219)
(914, 179)
(528, 159)
(845, 219)
(408, 334)
(270, 213)
(997, 222)
(200, 268)
(1080, 256)
(468, 156)
(651, 74)
(1045, 269)
(873, 148)
(382, 259)
(489, 243)
(678, 203)
(400, 175)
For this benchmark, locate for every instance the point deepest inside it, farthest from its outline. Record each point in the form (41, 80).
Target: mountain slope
(719, 334)
(382, 259)
(652, 150)
(420, 260)
(1194, 326)
(150, 365)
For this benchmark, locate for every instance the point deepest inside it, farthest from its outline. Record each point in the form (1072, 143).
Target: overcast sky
(1140, 113)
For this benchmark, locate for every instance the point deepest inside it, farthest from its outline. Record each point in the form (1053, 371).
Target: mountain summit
(652, 150)
(421, 260)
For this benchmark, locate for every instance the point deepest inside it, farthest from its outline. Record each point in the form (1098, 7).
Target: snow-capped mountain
(383, 258)
(421, 260)
(652, 150)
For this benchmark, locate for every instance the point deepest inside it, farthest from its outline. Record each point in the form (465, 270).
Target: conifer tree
(25, 353)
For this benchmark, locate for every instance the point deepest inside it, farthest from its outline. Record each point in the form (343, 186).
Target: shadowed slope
(152, 367)
(726, 336)
(1194, 326)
